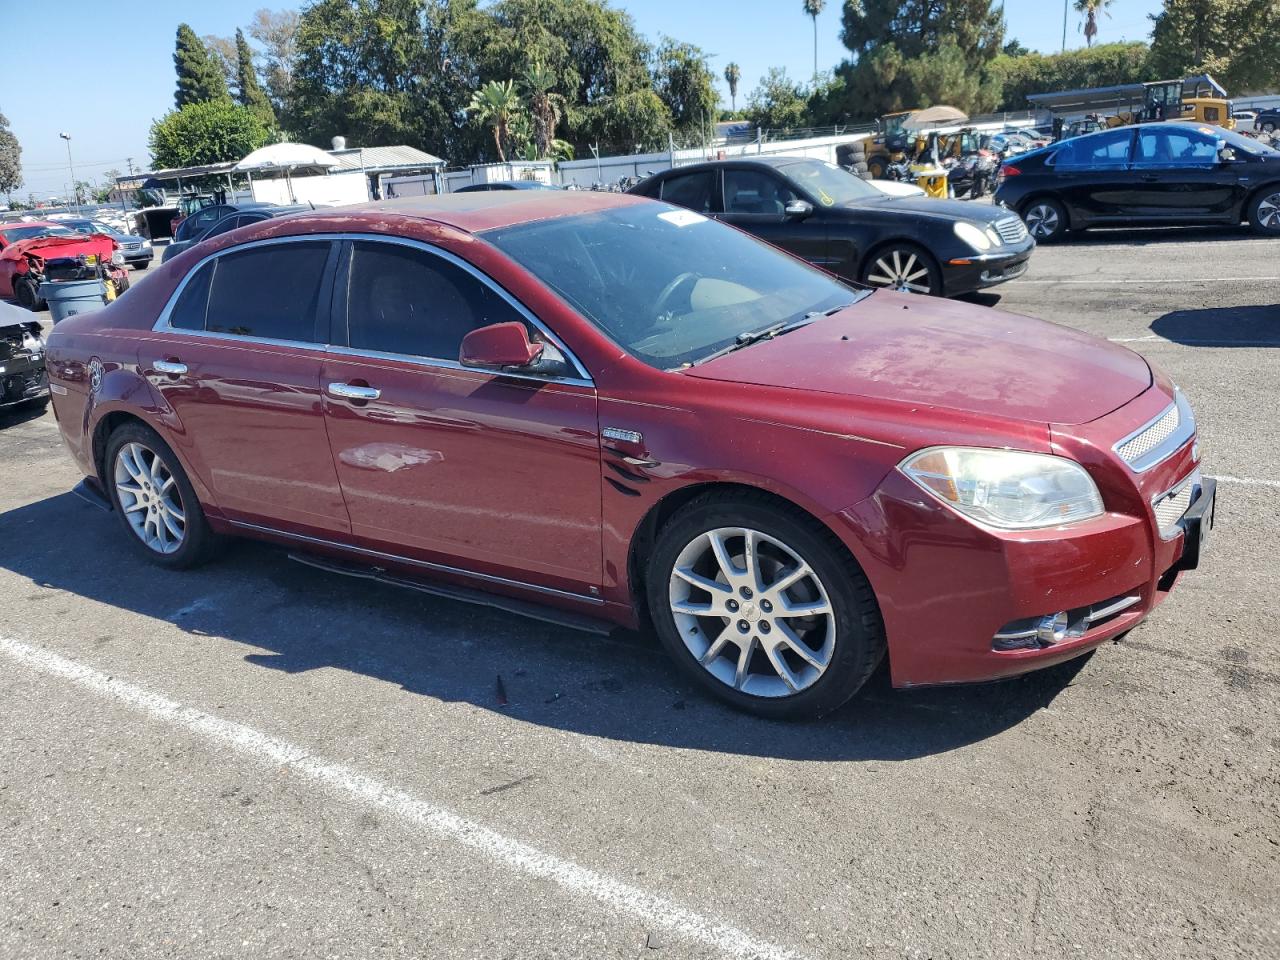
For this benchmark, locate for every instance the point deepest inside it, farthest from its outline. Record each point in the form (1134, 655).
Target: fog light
(1052, 628)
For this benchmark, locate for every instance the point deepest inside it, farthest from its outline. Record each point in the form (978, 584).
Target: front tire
(763, 607)
(1264, 212)
(903, 267)
(27, 292)
(154, 499)
(1046, 220)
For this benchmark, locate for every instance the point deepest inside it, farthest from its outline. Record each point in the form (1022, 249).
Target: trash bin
(66, 298)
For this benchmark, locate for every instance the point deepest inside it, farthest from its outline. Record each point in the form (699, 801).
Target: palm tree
(497, 104)
(812, 8)
(546, 106)
(1091, 9)
(731, 76)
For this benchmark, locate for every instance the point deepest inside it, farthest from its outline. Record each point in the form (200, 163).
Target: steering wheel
(660, 304)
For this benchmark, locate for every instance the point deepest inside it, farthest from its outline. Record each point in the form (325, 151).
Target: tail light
(1006, 170)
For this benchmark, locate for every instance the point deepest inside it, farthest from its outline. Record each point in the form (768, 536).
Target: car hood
(947, 210)
(940, 353)
(49, 248)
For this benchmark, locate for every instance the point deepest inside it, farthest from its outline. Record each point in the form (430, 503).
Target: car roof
(481, 210)
(776, 163)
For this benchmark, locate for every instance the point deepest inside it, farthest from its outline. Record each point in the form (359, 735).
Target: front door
(755, 200)
(238, 359)
(495, 474)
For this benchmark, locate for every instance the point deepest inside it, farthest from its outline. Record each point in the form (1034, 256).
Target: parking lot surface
(260, 759)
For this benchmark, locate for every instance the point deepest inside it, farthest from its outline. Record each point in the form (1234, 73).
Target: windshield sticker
(682, 218)
(825, 198)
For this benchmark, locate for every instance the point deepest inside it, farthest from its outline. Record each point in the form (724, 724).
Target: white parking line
(1153, 338)
(650, 908)
(1162, 281)
(1247, 481)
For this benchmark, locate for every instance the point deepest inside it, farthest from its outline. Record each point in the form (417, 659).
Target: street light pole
(1064, 25)
(75, 190)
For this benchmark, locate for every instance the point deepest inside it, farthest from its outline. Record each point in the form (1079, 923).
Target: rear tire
(1264, 212)
(162, 517)
(1046, 220)
(783, 665)
(877, 168)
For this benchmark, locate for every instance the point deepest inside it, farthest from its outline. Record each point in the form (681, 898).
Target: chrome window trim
(1185, 432)
(582, 378)
(424, 564)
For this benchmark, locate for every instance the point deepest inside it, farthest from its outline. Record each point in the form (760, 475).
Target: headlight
(972, 235)
(117, 259)
(146, 244)
(1006, 488)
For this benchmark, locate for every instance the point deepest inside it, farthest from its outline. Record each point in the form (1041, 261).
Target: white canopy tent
(286, 158)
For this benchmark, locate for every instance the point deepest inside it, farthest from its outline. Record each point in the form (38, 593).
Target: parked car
(237, 217)
(1148, 174)
(1267, 121)
(32, 253)
(201, 219)
(22, 374)
(841, 223)
(609, 410)
(505, 185)
(137, 250)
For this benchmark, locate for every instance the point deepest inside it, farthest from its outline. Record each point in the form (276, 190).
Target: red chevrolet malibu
(603, 410)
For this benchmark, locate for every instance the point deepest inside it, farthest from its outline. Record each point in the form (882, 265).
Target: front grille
(1159, 439)
(1011, 229)
(1169, 507)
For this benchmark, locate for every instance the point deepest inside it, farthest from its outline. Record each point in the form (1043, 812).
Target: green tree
(897, 43)
(684, 82)
(10, 160)
(546, 109)
(200, 76)
(223, 52)
(812, 8)
(497, 105)
(777, 103)
(214, 131)
(732, 76)
(277, 31)
(1208, 36)
(249, 92)
(1107, 64)
(1090, 9)
(1014, 48)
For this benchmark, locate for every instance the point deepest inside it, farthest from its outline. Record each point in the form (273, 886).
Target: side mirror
(798, 209)
(499, 345)
(1226, 154)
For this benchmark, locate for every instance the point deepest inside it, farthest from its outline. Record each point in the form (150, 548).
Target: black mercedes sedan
(1151, 174)
(825, 215)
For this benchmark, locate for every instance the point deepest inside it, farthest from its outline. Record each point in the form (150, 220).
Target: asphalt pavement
(259, 759)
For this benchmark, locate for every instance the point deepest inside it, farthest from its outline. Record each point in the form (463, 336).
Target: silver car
(137, 250)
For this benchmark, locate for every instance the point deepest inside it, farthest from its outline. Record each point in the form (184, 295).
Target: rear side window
(188, 313)
(407, 301)
(225, 225)
(692, 190)
(1107, 150)
(271, 291)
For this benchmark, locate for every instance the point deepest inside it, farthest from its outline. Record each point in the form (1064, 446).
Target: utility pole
(74, 189)
(1064, 25)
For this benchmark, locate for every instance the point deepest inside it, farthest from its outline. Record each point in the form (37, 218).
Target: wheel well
(1255, 193)
(903, 241)
(660, 513)
(107, 426)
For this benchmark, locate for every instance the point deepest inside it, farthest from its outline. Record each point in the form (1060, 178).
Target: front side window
(407, 301)
(692, 190)
(271, 291)
(1175, 148)
(668, 285)
(1107, 150)
(755, 192)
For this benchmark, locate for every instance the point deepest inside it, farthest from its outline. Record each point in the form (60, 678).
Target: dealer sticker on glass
(682, 218)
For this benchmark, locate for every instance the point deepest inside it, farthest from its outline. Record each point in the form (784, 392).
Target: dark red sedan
(605, 410)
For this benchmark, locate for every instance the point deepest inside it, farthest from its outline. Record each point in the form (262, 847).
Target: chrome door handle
(351, 392)
(170, 367)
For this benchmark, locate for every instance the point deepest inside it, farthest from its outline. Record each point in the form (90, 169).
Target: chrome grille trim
(1011, 229)
(1158, 439)
(1169, 506)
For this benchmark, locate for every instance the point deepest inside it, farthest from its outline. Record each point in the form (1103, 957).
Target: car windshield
(827, 184)
(1241, 143)
(14, 234)
(666, 284)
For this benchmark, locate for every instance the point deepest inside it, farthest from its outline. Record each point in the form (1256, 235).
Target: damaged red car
(600, 409)
(35, 253)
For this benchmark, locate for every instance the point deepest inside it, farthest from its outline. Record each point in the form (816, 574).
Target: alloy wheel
(149, 498)
(900, 270)
(752, 612)
(1042, 220)
(1269, 212)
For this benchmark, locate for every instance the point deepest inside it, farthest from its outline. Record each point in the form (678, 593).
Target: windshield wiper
(749, 337)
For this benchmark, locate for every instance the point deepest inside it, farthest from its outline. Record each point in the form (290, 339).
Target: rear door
(1178, 176)
(1093, 175)
(237, 356)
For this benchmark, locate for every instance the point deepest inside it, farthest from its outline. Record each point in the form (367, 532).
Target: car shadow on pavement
(1254, 326)
(620, 687)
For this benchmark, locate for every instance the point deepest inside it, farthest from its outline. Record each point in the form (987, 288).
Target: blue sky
(107, 75)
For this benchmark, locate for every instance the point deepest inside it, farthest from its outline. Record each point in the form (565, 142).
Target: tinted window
(692, 190)
(188, 312)
(827, 184)
(753, 191)
(271, 291)
(1100, 150)
(191, 227)
(408, 301)
(1176, 148)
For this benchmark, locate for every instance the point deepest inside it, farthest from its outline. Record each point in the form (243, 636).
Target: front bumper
(969, 273)
(22, 379)
(952, 593)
